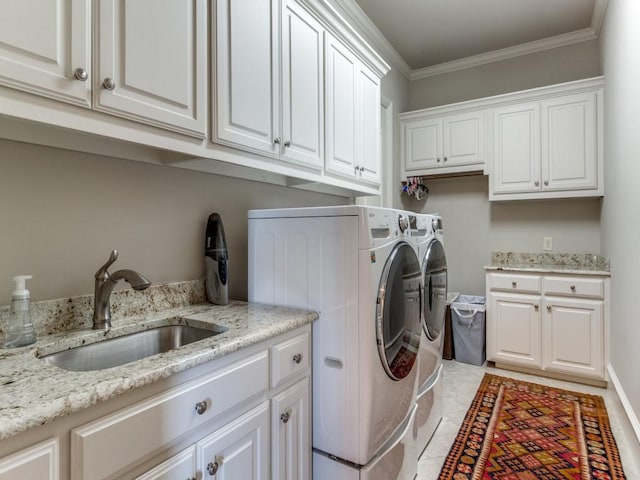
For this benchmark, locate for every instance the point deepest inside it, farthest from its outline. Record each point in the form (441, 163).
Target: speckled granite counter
(572, 263)
(33, 393)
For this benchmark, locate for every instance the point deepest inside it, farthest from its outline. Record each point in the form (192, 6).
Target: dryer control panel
(387, 224)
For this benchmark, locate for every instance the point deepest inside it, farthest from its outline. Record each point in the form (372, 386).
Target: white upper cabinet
(151, 62)
(353, 115)
(43, 44)
(549, 148)
(269, 90)
(442, 143)
(246, 93)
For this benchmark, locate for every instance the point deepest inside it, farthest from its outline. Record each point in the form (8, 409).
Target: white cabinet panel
(369, 133)
(153, 52)
(341, 68)
(574, 331)
(239, 450)
(291, 433)
(516, 149)
(514, 331)
(246, 87)
(39, 462)
(464, 139)
(422, 144)
(180, 466)
(302, 87)
(41, 46)
(569, 143)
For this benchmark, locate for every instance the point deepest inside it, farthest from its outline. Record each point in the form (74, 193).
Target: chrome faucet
(104, 286)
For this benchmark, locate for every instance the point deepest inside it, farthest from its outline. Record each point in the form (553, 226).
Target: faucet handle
(102, 271)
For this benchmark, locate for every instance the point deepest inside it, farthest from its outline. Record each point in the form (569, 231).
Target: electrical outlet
(547, 243)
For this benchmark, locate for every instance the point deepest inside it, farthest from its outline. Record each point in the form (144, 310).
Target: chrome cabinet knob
(573, 288)
(357, 169)
(546, 183)
(276, 141)
(537, 307)
(297, 357)
(201, 407)
(361, 169)
(287, 143)
(445, 159)
(514, 284)
(212, 468)
(548, 308)
(438, 160)
(109, 83)
(285, 417)
(81, 74)
(536, 183)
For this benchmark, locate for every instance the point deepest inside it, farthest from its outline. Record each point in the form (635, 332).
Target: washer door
(398, 312)
(434, 279)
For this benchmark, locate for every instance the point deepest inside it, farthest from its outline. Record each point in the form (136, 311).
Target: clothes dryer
(428, 235)
(357, 267)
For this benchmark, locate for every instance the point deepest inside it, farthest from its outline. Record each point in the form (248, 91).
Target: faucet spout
(104, 286)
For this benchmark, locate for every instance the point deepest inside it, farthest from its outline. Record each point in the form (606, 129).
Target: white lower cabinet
(36, 462)
(291, 433)
(182, 466)
(239, 449)
(243, 416)
(553, 323)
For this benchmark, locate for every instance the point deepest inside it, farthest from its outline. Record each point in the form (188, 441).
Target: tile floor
(460, 383)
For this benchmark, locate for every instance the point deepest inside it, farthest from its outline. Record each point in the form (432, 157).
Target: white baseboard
(633, 419)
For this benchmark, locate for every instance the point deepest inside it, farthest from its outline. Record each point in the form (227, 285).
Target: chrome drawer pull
(573, 288)
(201, 407)
(297, 357)
(212, 468)
(514, 284)
(285, 417)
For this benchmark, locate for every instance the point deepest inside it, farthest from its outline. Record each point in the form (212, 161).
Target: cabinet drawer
(579, 287)
(289, 358)
(182, 465)
(139, 430)
(515, 283)
(38, 461)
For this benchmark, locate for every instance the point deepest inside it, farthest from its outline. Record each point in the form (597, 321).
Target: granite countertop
(572, 263)
(33, 393)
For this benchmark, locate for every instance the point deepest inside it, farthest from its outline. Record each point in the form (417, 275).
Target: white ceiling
(428, 33)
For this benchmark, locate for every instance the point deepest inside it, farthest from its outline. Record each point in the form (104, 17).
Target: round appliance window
(398, 312)
(434, 279)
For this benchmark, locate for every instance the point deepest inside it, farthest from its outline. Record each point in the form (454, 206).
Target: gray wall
(620, 229)
(473, 226)
(529, 71)
(62, 212)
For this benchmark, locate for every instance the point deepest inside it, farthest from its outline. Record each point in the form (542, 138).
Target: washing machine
(358, 268)
(428, 236)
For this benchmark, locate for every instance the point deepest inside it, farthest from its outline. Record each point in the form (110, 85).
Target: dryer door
(398, 311)
(434, 279)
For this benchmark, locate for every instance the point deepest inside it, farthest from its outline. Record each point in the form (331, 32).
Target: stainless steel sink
(128, 348)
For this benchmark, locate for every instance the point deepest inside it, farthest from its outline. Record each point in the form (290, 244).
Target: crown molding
(352, 11)
(505, 53)
(599, 12)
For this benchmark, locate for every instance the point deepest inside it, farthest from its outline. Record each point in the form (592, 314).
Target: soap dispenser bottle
(20, 329)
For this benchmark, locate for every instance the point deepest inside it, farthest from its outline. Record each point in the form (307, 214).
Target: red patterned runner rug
(524, 431)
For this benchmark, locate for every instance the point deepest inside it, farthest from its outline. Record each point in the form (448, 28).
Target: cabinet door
(41, 46)
(246, 96)
(369, 125)
(573, 331)
(239, 450)
(516, 149)
(37, 462)
(421, 144)
(569, 143)
(513, 329)
(464, 139)
(302, 87)
(341, 108)
(291, 433)
(153, 54)
(180, 466)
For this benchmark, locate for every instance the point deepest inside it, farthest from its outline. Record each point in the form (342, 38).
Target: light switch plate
(547, 243)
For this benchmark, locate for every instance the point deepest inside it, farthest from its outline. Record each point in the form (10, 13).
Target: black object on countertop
(216, 260)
